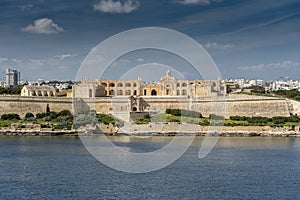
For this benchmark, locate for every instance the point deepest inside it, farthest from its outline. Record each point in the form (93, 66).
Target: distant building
(44, 90)
(166, 86)
(12, 78)
(88, 89)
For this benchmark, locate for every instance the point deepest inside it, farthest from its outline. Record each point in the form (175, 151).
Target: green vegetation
(144, 120)
(12, 91)
(107, 119)
(57, 120)
(291, 94)
(184, 113)
(263, 121)
(217, 120)
(10, 117)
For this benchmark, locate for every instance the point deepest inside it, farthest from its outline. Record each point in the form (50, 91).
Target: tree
(29, 116)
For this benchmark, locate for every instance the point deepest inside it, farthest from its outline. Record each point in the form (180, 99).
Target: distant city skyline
(252, 39)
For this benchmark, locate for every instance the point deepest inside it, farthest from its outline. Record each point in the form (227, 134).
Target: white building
(12, 77)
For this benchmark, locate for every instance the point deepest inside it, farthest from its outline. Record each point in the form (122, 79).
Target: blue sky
(50, 38)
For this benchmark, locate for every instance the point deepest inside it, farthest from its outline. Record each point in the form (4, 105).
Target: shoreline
(157, 129)
(75, 133)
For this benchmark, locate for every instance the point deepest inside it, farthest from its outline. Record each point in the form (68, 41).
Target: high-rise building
(12, 78)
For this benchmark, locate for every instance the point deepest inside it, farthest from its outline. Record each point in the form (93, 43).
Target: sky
(49, 39)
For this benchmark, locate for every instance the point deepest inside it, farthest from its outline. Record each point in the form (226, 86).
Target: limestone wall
(22, 105)
(235, 105)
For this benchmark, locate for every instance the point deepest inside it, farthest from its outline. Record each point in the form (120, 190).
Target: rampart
(241, 105)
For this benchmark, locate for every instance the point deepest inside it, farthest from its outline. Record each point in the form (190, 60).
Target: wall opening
(90, 93)
(153, 93)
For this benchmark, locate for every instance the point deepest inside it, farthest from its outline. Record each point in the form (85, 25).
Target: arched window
(134, 109)
(111, 92)
(90, 93)
(134, 84)
(128, 92)
(111, 85)
(134, 92)
(120, 85)
(178, 92)
(145, 92)
(104, 84)
(178, 84)
(183, 84)
(120, 92)
(128, 85)
(184, 92)
(167, 85)
(153, 93)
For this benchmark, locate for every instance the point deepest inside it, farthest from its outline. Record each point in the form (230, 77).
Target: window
(111, 85)
(184, 84)
(134, 84)
(178, 84)
(90, 93)
(128, 92)
(104, 84)
(145, 92)
(111, 92)
(120, 85)
(184, 92)
(128, 85)
(134, 92)
(120, 92)
(178, 92)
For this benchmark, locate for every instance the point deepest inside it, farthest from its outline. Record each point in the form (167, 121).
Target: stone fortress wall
(241, 105)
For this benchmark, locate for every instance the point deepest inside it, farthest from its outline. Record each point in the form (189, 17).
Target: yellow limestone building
(126, 98)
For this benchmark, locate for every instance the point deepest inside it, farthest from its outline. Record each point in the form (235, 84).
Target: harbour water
(237, 168)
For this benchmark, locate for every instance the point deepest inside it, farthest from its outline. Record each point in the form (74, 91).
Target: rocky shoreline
(170, 133)
(156, 129)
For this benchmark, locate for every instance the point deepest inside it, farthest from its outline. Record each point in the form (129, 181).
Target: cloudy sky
(49, 39)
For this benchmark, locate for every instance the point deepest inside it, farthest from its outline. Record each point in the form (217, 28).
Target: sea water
(237, 168)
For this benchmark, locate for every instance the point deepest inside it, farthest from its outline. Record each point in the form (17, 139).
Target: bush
(238, 118)
(106, 119)
(29, 116)
(10, 117)
(41, 115)
(184, 113)
(65, 113)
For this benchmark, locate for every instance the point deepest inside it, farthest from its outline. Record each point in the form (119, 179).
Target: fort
(241, 105)
(126, 99)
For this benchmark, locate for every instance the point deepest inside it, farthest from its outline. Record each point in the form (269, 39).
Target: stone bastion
(236, 105)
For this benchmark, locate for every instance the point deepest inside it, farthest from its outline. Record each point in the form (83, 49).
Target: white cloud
(198, 2)
(215, 45)
(140, 60)
(284, 64)
(278, 65)
(67, 55)
(252, 67)
(43, 26)
(26, 7)
(3, 59)
(112, 6)
(16, 60)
